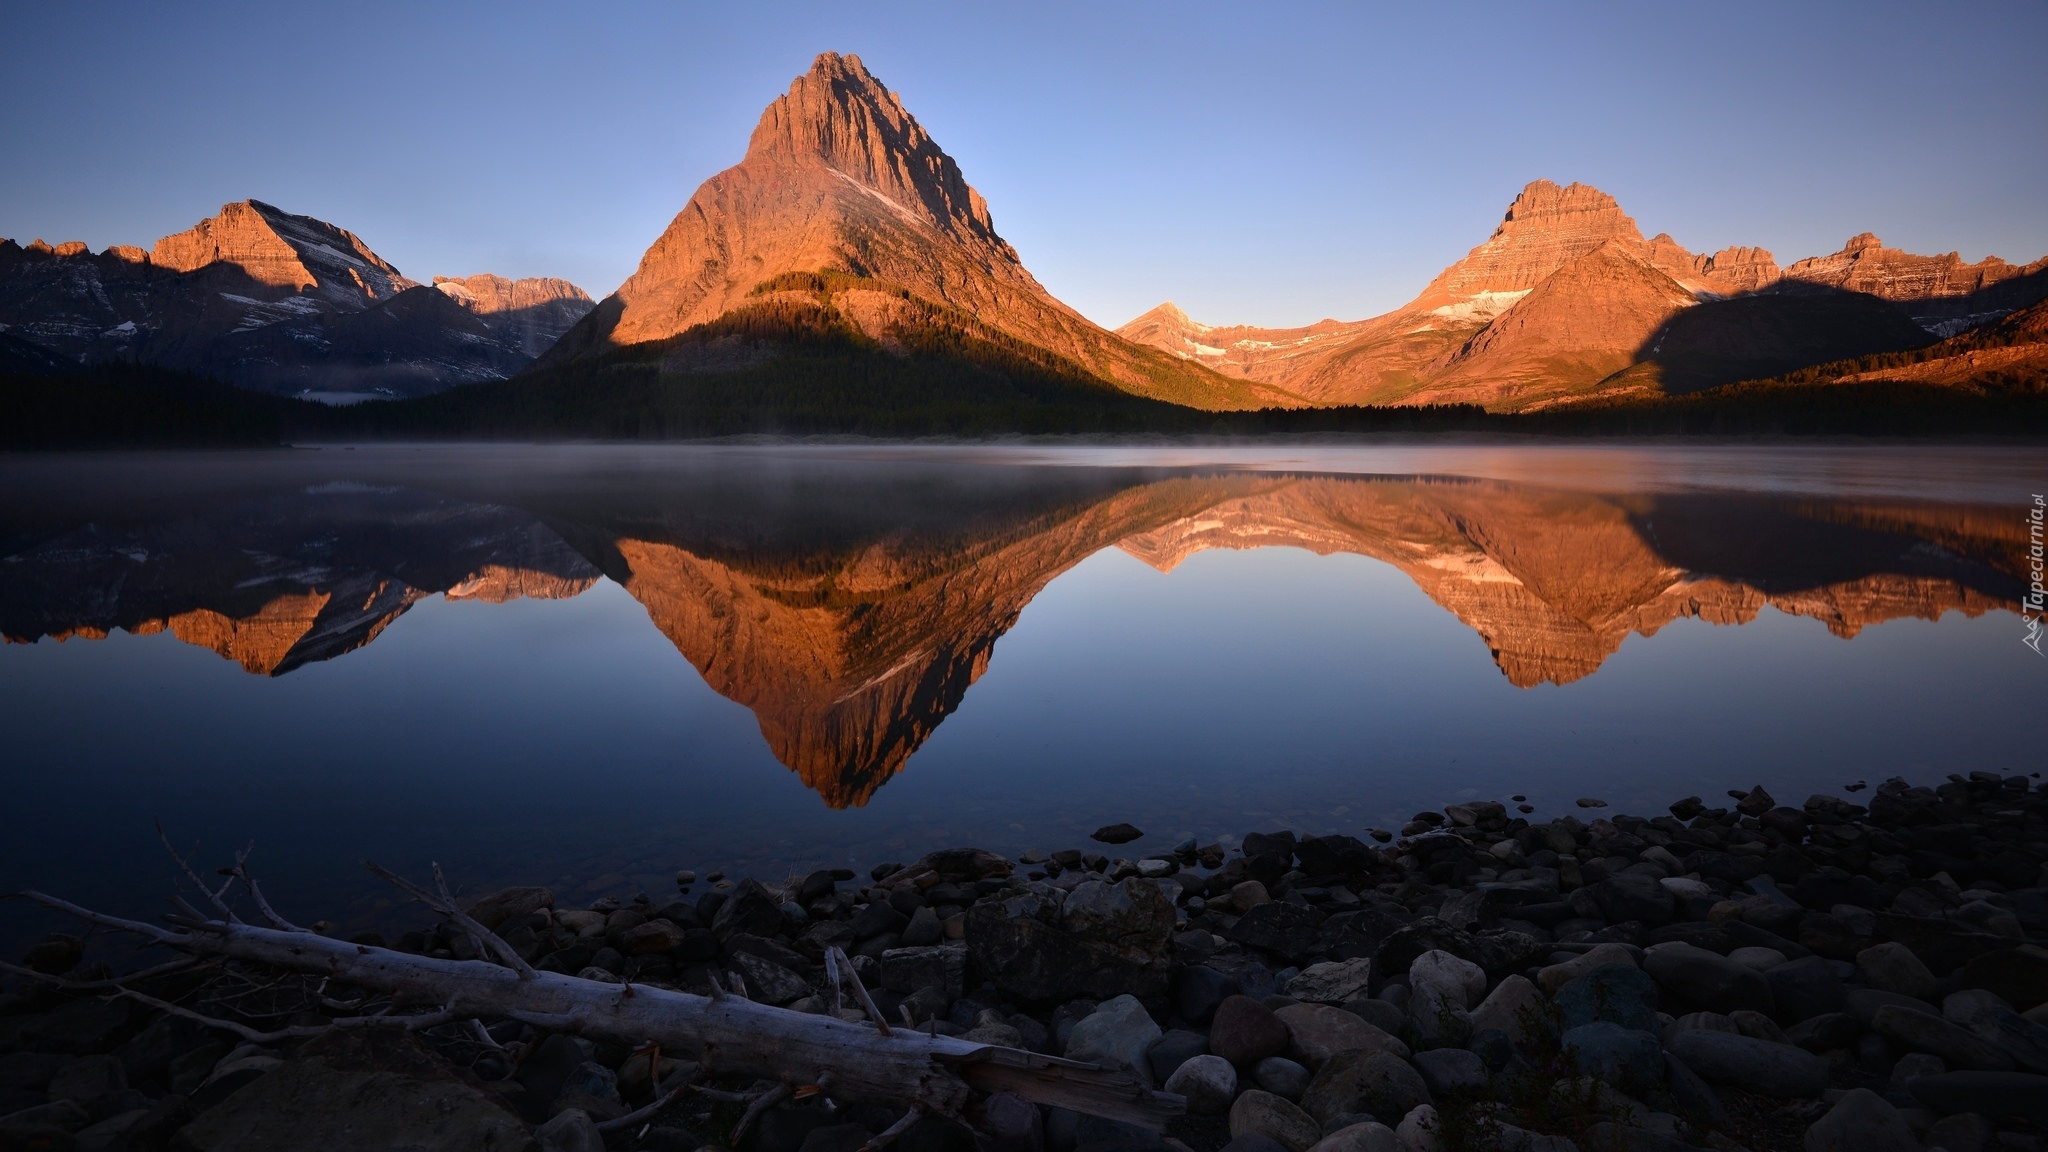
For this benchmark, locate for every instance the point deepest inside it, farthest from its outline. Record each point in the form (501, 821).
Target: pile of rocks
(1758, 976)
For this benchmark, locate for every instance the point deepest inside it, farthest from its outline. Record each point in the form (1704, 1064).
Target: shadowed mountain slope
(262, 298)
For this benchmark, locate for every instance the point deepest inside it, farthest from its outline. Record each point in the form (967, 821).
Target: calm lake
(593, 666)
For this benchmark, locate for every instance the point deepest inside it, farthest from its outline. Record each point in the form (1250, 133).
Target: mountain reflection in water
(851, 605)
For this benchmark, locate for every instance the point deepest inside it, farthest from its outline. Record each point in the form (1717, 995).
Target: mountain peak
(1545, 228)
(1542, 199)
(839, 114)
(279, 250)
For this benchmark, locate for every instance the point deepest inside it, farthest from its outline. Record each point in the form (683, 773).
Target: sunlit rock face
(528, 314)
(853, 617)
(279, 250)
(1566, 297)
(840, 178)
(275, 301)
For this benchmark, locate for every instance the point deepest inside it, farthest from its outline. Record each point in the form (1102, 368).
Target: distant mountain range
(1566, 300)
(275, 302)
(846, 268)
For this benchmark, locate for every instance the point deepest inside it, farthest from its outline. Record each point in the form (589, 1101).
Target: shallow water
(592, 666)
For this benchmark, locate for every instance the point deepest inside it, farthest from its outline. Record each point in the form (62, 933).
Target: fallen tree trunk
(727, 1034)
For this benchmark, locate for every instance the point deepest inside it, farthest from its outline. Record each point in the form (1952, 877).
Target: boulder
(1892, 967)
(1198, 989)
(1861, 1121)
(1437, 1019)
(2019, 975)
(1449, 1071)
(1921, 1032)
(1208, 1082)
(1289, 930)
(1418, 1130)
(1282, 1077)
(1962, 1132)
(1995, 1022)
(941, 966)
(1617, 993)
(1367, 1136)
(748, 908)
(1556, 976)
(1118, 940)
(1245, 1032)
(1460, 981)
(1804, 988)
(509, 904)
(359, 1089)
(1316, 1032)
(1614, 1053)
(1632, 896)
(1332, 982)
(1988, 1093)
(1426, 934)
(1515, 1007)
(1118, 1033)
(1694, 1096)
(1334, 855)
(1824, 1033)
(571, 1131)
(769, 982)
(1697, 976)
(1173, 1049)
(1750, 1064)
(1378, 1083)
(1265, 1114)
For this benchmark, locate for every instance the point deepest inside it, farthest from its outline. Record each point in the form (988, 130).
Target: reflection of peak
(850, 662)
(283, 580)
(1555, 581)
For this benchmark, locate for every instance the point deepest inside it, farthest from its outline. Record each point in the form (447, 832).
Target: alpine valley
(845, 277)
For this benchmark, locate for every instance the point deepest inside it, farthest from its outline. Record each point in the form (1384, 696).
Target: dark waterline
(944, 646)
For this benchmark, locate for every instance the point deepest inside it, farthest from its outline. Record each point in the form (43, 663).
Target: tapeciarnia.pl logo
(2031, 607)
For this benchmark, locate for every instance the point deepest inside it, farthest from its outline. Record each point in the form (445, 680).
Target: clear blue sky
(1259, 163)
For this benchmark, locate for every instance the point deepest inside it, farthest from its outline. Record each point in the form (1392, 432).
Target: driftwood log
(726, 1033)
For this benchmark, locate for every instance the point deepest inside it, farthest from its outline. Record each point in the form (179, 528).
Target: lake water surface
(592, 666)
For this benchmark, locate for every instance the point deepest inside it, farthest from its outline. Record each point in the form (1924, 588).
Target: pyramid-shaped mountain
(844, 201)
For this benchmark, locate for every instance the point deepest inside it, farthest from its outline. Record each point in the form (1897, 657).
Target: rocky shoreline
(1756, 976)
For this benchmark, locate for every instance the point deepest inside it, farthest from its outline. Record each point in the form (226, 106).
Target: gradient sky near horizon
(1269, 164)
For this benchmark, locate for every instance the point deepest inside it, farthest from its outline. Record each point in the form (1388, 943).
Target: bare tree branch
(860, 990)
(661, 1101)
(762, 1103)
(296, 1032)
(888, 1135)
(256, 894)
(214, 898)
(187, 964)
(150, 930)
(488, 942)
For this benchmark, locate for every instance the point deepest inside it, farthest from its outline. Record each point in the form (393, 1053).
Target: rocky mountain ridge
(275, 301)
(840, 179)
(1566, 296)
